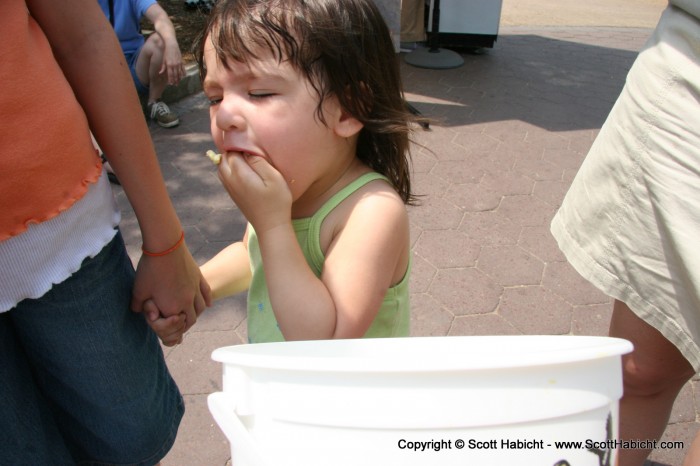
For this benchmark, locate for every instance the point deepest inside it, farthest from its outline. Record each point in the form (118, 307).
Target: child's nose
(230, 115)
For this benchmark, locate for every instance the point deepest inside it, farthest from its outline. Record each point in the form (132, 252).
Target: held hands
(171, 329)
(258, 189)
(173, 284)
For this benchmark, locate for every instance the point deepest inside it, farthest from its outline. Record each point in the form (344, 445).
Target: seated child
(307, 111)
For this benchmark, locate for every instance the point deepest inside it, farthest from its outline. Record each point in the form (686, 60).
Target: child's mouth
(215, 157)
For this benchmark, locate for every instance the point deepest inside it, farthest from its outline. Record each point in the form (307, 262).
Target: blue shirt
(127, 21)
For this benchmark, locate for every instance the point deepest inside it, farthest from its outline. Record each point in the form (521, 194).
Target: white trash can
(444, 401)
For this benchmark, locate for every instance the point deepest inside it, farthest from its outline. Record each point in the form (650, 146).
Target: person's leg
(149, 80)
(100, 366)
(29, 432)
(653, 374)
(148, 65)
(692, 457)
(412, 21)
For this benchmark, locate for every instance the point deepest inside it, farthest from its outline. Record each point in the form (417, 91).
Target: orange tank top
(47, 159)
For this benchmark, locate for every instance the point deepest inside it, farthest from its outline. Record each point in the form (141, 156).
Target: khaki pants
(412, 20)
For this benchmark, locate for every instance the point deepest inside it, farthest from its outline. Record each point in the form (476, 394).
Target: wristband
(167, 251)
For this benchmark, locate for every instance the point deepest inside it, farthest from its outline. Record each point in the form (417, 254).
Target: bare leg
(653, 374)
(148, 65)
(692, 458)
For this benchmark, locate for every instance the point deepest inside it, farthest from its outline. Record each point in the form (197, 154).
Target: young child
(308, 113)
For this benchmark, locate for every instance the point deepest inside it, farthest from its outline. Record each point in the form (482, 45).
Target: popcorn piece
(214, 157)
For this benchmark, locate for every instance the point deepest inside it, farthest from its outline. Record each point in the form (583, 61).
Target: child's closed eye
(260, 94)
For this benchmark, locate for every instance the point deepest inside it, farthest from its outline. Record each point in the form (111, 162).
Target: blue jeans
(82, 378)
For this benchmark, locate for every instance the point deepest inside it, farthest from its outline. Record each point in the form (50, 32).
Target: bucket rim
(356, 356)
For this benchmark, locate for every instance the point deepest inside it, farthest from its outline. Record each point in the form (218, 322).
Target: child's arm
(365, 257)
(368, 252)
(228, 272)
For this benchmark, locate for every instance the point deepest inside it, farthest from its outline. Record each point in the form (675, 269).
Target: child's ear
(347, 125)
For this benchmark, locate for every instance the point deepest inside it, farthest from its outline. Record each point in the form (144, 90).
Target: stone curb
(189, 85)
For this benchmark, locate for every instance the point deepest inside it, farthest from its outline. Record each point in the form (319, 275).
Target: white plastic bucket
(446, 401)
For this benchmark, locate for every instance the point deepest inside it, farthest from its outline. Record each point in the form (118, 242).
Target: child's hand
(258, 189)
(171, 329)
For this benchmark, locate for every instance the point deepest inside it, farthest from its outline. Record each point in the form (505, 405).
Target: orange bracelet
(167, 251)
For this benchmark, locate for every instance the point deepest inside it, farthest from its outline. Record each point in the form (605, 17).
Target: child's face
(268, 109)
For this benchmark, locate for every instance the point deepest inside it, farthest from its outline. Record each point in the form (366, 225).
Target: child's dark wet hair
(344, 49)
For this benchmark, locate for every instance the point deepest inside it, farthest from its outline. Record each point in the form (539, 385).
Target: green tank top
(393, 318)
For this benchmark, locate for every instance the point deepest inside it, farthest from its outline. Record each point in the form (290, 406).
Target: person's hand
(173, 65)
(174, 283)
(258, 189)
(170, 330)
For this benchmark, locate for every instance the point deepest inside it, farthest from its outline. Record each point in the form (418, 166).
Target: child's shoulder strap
(344, 193)
(314, 233)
